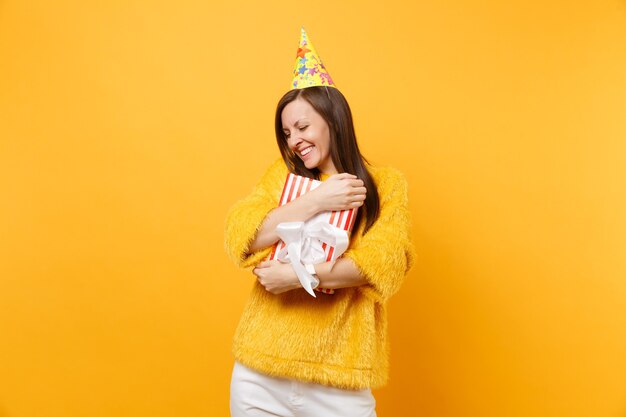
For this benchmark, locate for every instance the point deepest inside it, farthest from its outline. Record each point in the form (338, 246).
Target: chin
(310, 165)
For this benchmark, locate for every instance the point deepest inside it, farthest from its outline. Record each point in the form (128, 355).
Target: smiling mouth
(306, 151)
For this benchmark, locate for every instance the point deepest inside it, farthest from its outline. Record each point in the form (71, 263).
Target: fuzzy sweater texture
(337, 340)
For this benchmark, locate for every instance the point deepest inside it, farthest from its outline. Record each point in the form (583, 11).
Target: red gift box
(295, 186)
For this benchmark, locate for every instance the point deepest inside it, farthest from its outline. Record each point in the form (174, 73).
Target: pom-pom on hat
(309, 70)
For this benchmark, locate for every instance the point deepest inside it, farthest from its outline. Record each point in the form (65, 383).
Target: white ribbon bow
(303, 245)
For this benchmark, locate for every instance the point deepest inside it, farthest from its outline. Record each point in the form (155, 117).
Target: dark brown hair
(344, 151)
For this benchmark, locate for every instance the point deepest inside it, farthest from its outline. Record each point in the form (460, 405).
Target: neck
(328, 170)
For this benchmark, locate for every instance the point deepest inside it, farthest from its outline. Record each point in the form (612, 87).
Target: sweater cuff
(371, 289)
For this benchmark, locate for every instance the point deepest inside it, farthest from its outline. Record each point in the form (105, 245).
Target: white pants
(253, 394)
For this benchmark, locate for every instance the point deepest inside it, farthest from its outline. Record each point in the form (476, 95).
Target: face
(308, 135)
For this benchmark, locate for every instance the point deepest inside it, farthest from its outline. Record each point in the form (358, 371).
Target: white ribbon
(303, 245)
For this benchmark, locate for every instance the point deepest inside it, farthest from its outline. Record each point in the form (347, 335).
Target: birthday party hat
(309, 70)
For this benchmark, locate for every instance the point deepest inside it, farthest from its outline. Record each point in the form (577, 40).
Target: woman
(305, 356)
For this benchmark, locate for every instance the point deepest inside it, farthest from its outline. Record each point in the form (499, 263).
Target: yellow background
(127, 129)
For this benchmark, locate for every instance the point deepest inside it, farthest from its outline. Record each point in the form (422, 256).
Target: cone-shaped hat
(309, 70)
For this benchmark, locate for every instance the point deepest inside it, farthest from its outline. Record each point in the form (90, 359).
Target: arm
(341, 273)
(340, 192)
(251, 222)
(277, 277)
(385, 253)
(245, 217)
(299, 210)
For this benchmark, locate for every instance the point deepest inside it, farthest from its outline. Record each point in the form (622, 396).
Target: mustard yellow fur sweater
(340, 339)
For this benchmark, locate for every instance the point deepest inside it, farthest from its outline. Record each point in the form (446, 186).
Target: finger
(344, 175)
(357, 183)
(359, 191)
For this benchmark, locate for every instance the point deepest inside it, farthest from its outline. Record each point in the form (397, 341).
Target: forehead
(297, 110)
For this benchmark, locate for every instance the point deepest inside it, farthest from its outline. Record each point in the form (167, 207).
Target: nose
(293, 141)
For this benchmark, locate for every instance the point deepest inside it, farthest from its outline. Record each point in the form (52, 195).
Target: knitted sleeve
(385, 253)
(246, 216)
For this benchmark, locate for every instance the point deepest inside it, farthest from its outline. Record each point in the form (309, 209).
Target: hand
(276, 276)
(339, 192)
